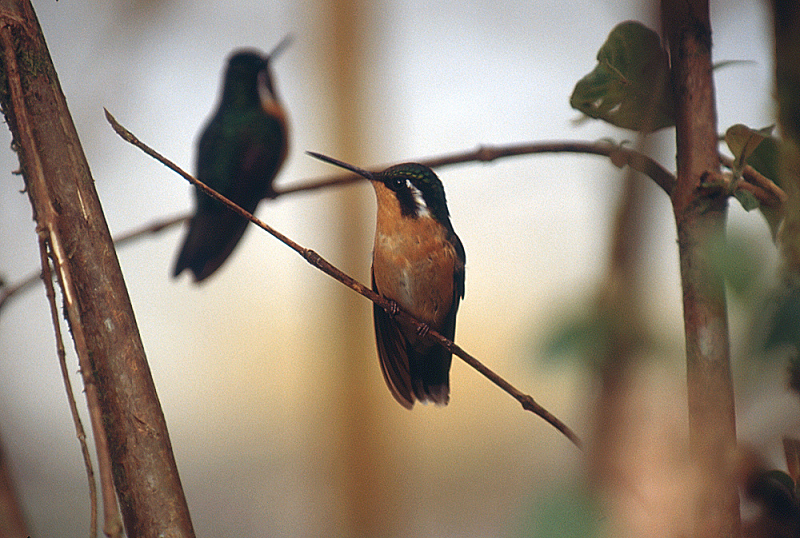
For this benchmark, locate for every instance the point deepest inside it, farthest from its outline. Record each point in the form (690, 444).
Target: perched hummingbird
(417, 262)
(239, 155)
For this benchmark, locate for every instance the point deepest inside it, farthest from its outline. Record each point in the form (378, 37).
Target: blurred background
(279, 417)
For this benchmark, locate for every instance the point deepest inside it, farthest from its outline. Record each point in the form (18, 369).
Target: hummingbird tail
(430, 375)
(209, 242)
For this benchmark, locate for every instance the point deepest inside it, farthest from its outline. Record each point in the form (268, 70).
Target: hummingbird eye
(395, 183)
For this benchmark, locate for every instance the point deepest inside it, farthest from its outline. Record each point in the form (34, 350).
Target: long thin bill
(341, 164)
(282, 44)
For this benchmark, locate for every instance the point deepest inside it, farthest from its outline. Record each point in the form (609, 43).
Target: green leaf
(784, 321)
(629, 87)
(739, 260)
(728, 63)
(743, 141)
(747, 199)
(766, 159)
(761, 151)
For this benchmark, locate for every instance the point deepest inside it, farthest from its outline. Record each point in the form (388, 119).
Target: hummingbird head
(416, 187)
(248, 79)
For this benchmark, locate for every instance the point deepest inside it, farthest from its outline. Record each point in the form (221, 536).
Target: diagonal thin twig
(619, 155)
(767, 192)
(527, 402)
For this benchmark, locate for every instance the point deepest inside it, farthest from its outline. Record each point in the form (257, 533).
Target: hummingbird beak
(282, 44)
(341, 164)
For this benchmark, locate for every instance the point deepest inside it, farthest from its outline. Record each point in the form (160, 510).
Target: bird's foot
(393, 307)
(423, 330)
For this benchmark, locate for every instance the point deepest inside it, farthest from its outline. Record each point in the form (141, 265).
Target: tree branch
(121, 396)
(47, 278)
(157, 226)
(527, 402)
(700, 219)
(619, 155)
(767, 192)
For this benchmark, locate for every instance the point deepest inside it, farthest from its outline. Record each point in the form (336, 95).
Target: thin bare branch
(527, 402)
(157, 226)
(619, 155)
(762, 188)
(47, 278)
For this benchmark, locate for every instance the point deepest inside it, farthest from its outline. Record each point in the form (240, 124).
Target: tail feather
(430, 374)
(210, 240)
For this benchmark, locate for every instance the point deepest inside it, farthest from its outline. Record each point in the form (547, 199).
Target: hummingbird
(239, 154)
(418, 264)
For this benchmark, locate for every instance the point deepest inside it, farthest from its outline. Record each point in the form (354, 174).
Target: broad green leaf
(766, 159)
(630, 86)
(743, 141)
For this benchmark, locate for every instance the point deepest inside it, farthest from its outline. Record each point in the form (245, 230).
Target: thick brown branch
(323, 265)
(121, 396)
(700, 219)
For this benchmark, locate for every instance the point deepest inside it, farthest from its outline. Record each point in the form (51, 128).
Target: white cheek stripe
(422, 207)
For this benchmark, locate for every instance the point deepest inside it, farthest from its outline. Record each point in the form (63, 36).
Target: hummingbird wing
(392, 352)
(239, 157)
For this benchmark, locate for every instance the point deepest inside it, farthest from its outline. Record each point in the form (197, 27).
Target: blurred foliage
(562, 513)
(630, 86)
(579, 335)
(596, 333)
(784, 320)
(741, 262)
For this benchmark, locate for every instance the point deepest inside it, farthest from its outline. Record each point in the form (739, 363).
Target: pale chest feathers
(413, 264)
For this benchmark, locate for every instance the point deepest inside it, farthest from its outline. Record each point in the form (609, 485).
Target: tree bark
(700, 219)
(70, 219)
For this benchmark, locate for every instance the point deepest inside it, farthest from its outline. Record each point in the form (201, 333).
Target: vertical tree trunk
(700, 220)
(70, 219)
(12, 521)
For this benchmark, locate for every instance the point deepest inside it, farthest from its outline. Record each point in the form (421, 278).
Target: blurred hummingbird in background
(418, 263)
(239, 154)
